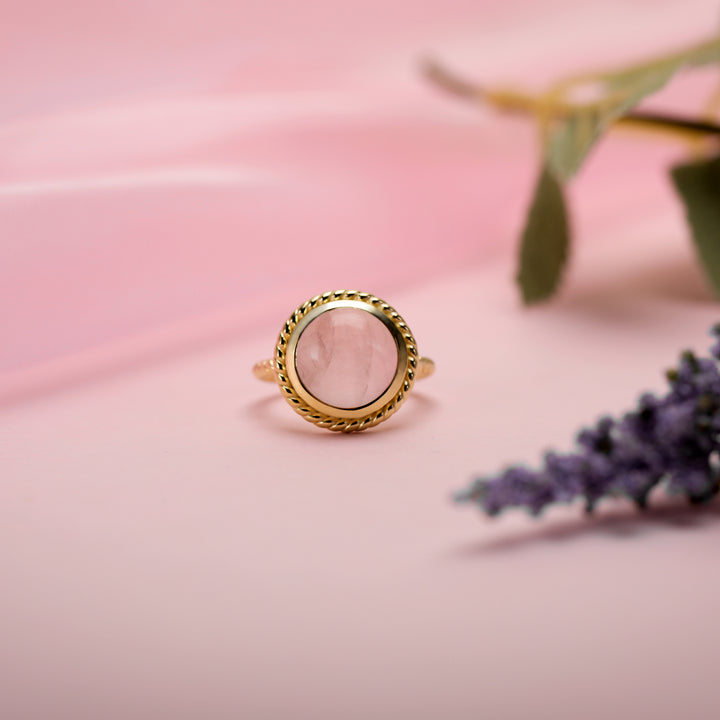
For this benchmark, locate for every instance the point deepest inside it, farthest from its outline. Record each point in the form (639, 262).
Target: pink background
(174, 541)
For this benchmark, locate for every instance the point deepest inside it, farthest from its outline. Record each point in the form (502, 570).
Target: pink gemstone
(346, 358)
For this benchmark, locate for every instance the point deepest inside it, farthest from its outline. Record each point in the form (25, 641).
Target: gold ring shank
(265, 369)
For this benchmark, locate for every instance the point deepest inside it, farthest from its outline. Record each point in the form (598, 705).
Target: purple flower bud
(693, 480)
(676, 424)
(517, 487)
(598, 438)
(565, 474)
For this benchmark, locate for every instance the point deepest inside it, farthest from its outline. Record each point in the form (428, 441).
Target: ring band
(345, 361)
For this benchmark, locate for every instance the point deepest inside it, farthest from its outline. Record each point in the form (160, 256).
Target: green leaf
(575, 134)
(698, 184)
(704, 53)
(545, 241)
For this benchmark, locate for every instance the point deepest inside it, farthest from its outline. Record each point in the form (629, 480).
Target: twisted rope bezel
(336, 421)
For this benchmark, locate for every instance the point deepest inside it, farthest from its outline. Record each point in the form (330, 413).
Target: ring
(345, 361)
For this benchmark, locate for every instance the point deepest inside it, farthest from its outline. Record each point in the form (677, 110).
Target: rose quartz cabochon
(346, 358)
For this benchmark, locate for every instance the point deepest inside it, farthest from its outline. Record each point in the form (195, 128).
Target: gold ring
(345, 360)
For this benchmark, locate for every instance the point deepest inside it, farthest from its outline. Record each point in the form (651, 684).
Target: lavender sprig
(673, 440)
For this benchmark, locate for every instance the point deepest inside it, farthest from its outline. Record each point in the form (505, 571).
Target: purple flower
(715, 348)
(673, 440)
(566, 474)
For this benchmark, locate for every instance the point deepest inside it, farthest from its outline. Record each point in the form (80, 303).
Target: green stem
(672, 122)
(514, 102)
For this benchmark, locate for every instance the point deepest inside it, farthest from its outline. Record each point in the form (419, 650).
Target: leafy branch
(569, 131)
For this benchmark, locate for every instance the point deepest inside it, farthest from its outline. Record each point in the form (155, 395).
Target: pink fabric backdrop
(174, 542)
(172, 177)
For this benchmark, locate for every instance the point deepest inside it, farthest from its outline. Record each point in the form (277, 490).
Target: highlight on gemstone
(346, 358)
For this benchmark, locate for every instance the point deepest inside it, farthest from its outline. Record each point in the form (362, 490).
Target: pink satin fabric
(169, 176)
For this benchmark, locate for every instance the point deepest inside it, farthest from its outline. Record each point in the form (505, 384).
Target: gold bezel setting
(318, 412)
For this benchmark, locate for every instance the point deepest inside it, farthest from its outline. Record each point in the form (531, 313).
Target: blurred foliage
(544, 245)
(569, 131)
(698, 183)
(575, 133)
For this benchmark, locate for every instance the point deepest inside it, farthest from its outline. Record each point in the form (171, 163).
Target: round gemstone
(346, 358)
